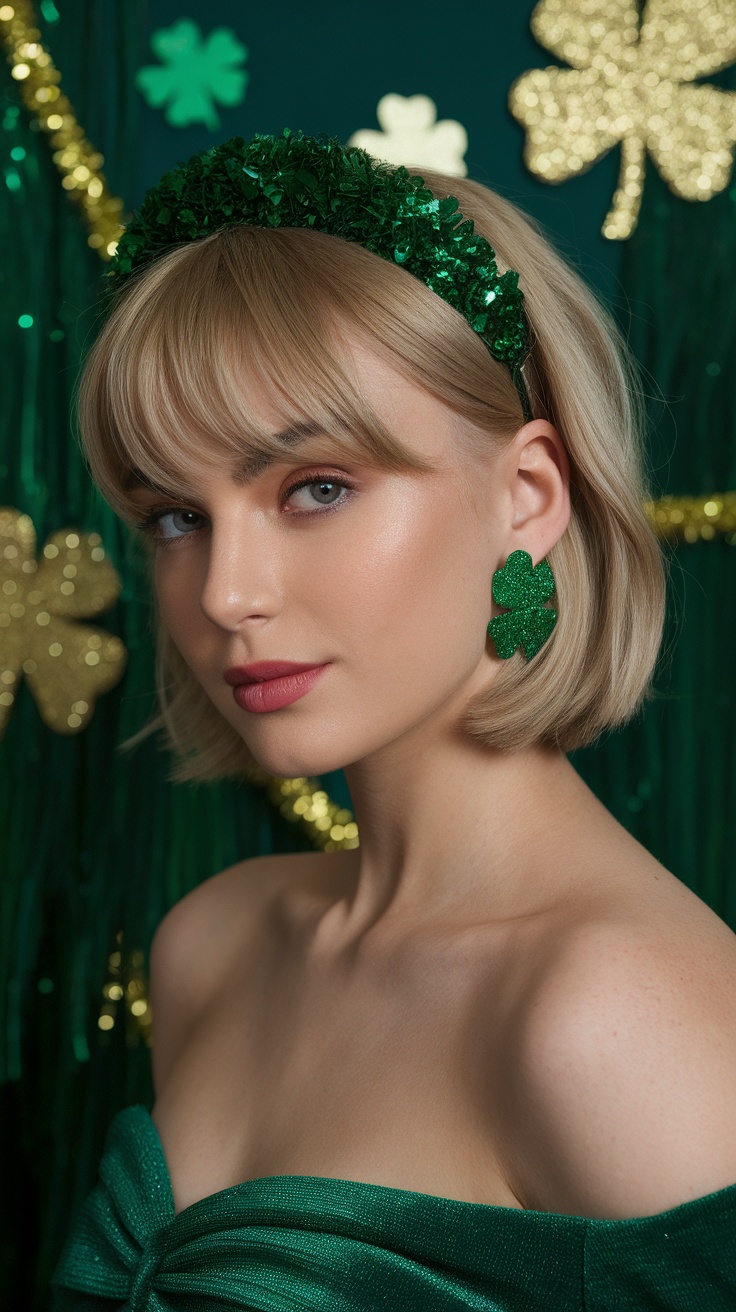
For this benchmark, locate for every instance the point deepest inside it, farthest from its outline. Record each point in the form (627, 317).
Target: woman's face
(382, 578)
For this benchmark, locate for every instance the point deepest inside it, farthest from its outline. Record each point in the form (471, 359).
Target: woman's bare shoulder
(622, 1073)
(207, 930)
(213, 917)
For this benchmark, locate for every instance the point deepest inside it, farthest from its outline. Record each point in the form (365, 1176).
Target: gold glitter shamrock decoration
(528, 623)
(67, 665)
(198, 73)
(629, 83)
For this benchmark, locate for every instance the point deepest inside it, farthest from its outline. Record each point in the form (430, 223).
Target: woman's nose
(241, 582)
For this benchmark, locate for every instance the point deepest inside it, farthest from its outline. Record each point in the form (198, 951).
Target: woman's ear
(538, 470)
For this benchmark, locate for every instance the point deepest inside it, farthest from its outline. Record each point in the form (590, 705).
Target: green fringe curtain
(670, 776)
(94, 844)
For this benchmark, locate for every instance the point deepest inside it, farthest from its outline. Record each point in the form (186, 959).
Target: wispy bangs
(166, 385)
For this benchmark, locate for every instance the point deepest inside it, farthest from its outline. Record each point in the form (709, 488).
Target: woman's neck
(449, 828)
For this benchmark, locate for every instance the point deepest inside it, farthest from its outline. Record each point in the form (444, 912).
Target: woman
(488, 1058)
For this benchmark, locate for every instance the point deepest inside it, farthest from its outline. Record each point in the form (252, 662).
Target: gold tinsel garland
(75, 157)
(694, 519)
(330, 826)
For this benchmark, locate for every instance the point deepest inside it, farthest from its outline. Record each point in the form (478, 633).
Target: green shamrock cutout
(528, 623)
(198, 73)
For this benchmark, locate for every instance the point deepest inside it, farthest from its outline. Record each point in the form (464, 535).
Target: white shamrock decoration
(412, 136)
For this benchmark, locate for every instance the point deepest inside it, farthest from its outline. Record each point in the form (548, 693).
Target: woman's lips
(258, 670)
(266, 694)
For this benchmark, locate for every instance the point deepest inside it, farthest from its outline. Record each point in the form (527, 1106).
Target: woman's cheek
(178, 593)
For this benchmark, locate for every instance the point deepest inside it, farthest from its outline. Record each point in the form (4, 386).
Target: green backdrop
(93, 843)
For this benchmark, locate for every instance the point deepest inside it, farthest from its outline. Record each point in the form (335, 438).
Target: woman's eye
(167, 526)
(177, 523)
(318, 492)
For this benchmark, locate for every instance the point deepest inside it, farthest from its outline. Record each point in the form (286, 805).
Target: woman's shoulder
(202, 922)
(622, 1060)
(207, 932)
(224, 905)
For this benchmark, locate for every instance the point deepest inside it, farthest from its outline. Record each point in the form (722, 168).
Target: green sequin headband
(295, 181)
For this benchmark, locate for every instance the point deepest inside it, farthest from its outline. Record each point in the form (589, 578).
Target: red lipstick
(269, 685)
(261, 670)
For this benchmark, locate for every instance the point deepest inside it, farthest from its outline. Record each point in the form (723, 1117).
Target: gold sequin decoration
(630, 81)
(76, 159)
(694, 519)
(67, 665)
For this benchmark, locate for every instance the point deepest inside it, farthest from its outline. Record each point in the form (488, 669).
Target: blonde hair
(165, 379)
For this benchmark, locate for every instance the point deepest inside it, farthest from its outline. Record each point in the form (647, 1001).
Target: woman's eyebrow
(135, 479)
(244, 471)
(249, 468)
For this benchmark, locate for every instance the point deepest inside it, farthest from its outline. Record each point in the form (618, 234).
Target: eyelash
(149, 523)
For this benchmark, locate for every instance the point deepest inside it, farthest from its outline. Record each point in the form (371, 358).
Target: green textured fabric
(290, 1242)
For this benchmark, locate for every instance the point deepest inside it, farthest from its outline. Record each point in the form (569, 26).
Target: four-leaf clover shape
(197, 73)
(528, 623)
(630, 82)
(67, 665)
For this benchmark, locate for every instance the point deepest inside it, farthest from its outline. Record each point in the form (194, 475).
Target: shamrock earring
(528, 623)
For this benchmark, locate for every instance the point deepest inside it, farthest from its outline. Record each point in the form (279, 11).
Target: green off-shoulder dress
(292, 1243)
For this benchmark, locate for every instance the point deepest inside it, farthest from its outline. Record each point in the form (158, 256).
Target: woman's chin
(296, 761)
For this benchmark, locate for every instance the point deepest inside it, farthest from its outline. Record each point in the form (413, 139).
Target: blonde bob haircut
(163, 384)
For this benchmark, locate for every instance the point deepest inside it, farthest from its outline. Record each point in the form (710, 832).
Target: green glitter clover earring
(528, 622)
